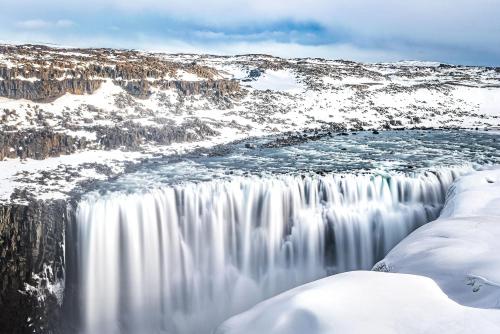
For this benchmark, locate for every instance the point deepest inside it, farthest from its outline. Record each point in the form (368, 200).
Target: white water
(182, 259)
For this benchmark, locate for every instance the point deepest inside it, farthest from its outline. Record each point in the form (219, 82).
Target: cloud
(33, 24)
(446, 30)
(64, 23)
(36, 24)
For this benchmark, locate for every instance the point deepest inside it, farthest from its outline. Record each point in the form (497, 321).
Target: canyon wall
(32, 241)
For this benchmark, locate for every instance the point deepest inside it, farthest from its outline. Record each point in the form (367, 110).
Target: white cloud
(36, 24)
(464, 22)
(64, 23)
(459, 30)
(147, 43)
(33, 24)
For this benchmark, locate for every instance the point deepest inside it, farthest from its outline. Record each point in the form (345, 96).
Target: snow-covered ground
(461, 250)
(276, 94)
(55, 177)
(363, 302)
(444, 279)
(272, 95)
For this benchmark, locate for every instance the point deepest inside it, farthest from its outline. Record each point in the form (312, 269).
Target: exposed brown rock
(46, 90)
(38, 144)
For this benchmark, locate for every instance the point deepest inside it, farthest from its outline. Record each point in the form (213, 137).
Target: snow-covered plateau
(56, 101)
(442, 278)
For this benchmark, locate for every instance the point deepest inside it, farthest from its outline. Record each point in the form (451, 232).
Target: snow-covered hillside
(444, 278)
(268, 93)
(56, 101)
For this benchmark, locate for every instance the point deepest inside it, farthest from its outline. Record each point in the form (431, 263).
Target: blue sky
(454, 31)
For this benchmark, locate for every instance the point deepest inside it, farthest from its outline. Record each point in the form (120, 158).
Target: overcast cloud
(455, 31)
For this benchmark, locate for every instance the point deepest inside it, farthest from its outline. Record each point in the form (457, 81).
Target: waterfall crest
(182, 259)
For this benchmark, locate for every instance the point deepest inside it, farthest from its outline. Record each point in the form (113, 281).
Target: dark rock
(38, 144)
(131, 135)
(254, 73)
(251, 146)
(32, 258)
(46, 90)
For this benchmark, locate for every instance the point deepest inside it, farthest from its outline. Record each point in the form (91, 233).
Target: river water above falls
(179, 246)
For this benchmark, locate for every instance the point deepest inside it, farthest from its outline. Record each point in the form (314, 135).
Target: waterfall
(182, 259)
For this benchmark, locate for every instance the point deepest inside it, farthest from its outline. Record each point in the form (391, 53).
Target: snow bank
(459, 254)
(363, 302)
(460, 250)
(278, 80)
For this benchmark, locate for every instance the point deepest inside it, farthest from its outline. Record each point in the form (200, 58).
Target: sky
(451, 31)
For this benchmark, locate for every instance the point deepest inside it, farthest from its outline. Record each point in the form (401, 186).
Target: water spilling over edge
(181, 259)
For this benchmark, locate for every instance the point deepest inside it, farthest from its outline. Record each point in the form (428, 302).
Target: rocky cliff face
(141, 88)
(131, 135)
(43, 79)
(32, 266)
(38, 144)
(44, 143)
(46, 90)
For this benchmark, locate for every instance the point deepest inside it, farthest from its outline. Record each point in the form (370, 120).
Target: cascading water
(182, 259)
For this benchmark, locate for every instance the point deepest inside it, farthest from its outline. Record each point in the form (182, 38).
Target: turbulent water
(403, 151)
(181, 259)
(181, 244)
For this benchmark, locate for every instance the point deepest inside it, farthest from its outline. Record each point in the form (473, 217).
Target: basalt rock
(44, 143)
(131, 135)
(49, 90)
(32, 266)
(46, 90)
(142, 88)
(208, 87)
(296, 138)
(38, 144)
(43, 80)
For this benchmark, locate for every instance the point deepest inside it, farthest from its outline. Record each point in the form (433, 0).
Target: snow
(363, 302)
(444, 277)
(102, 98)
(473, 103)
(487, 99)
(232, 71)
(459, 250)
(417, 63)
(280, 99)
(187, 76)
(13, 170)
(82, 133)
(277, 80)
(6, 61)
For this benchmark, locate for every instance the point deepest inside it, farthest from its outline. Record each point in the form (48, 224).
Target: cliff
(46, 90)
(32, 266)
(38, 144)
(43, 143)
